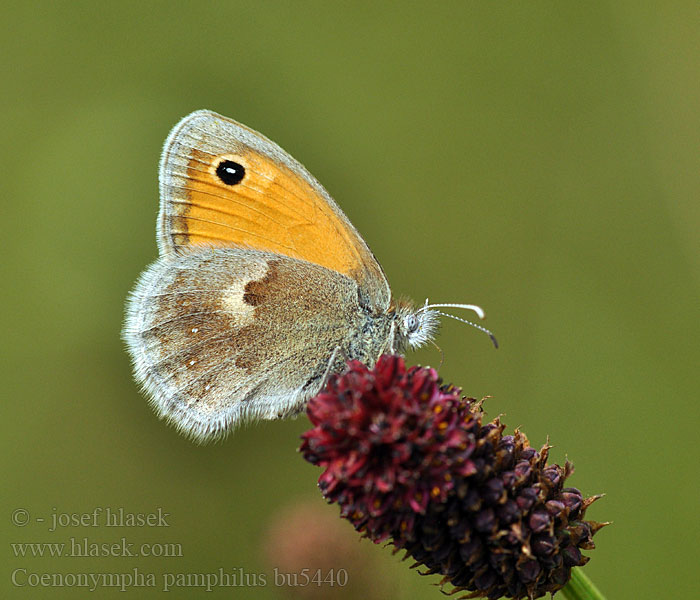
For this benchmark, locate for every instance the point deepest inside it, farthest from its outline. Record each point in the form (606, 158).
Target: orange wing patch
(276, 205)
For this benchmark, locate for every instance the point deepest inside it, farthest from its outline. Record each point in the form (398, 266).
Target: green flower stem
(580, 587)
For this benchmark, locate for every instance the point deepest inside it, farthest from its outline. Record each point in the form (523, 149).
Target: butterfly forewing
(275, 206)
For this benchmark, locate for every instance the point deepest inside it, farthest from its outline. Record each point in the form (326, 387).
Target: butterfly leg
(329, 366)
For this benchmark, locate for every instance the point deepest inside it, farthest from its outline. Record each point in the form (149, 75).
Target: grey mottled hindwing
(220, 336)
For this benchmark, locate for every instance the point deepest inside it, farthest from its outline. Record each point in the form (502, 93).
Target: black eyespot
(230, 172)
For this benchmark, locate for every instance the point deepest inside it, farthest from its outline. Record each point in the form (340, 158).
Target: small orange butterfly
(262, 287)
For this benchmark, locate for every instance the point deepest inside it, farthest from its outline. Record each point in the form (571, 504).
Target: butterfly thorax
(376, 332)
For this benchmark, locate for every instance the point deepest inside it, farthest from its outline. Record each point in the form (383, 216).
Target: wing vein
(233, 200)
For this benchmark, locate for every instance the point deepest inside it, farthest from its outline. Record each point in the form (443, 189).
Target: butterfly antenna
(479, 327)
(477, 309)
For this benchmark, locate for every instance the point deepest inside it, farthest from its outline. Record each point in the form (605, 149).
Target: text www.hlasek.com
(84, 548)
(236, 577)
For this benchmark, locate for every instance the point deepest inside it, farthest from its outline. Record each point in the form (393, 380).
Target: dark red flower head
(410, 461)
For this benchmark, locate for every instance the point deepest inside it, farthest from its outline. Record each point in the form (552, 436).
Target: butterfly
(262, 287)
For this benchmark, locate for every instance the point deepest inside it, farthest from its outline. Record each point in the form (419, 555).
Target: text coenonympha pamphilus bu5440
(262, 287)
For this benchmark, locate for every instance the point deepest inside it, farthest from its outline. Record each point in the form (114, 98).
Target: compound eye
(411, 323)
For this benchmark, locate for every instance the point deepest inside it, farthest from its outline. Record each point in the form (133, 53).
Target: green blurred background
(540, 160)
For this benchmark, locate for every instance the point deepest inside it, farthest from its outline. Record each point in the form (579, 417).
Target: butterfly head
(413, 328)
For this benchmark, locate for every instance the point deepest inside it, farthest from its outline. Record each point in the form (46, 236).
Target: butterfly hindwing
(220, 336)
